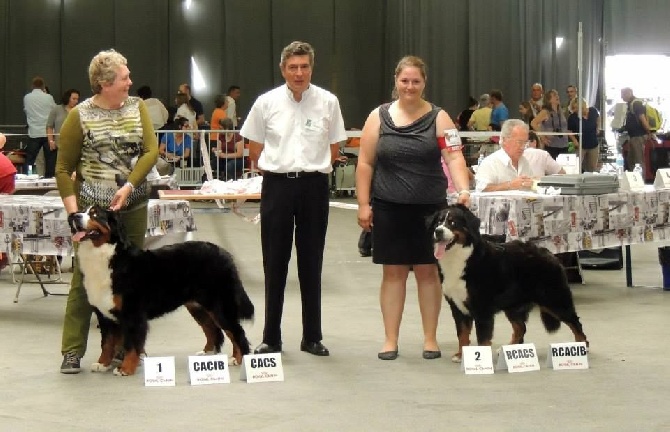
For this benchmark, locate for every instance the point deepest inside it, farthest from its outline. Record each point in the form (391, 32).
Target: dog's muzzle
(444, 240)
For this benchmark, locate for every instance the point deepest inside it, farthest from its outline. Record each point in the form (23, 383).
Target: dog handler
(403, 144)
(97, 141)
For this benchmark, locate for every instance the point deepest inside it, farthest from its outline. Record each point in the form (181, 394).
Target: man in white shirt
(507, 168)
(233, 96)
(157, 111)
(540, 160)
(38, 104)
(294, 131)
(536, 97)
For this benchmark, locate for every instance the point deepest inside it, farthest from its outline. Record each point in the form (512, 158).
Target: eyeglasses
(522, 143)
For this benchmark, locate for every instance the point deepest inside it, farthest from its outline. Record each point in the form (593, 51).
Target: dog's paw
(119, 372)
(456, 358)
(233, 362)
(206, 353)
(99, 367)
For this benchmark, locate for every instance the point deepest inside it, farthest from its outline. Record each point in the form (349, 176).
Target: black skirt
(400, 233)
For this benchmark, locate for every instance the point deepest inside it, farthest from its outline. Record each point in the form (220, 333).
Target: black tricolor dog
(128, 287)
(482, 277)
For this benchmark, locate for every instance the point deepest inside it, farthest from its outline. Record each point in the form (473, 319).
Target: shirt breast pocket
(316, 128)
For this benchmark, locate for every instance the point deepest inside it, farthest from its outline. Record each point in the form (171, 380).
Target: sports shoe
(71, 363)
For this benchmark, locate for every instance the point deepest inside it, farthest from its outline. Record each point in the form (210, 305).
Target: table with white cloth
(34, 184)
(569, 223)
(37, 225)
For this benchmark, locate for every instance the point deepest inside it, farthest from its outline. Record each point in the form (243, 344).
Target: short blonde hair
(103, 67)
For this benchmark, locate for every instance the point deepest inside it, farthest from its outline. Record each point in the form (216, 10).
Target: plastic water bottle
(30, 170)
(638, 169)
(619, 165)
(481, 159)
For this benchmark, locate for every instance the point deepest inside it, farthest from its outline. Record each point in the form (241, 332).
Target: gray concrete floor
(624, 390)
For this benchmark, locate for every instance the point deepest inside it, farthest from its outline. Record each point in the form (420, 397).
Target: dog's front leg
(108, 332)
(463, 330)
(134, 337)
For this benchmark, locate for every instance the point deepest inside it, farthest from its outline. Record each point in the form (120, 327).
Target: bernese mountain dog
(128, 287)
(482, 276)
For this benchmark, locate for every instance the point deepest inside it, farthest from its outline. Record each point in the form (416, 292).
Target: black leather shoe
(267, 349)
(315, 348)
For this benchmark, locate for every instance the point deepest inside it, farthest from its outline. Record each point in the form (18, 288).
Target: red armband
(441, 143)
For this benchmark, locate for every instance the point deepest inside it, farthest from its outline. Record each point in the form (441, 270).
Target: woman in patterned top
(98, 141)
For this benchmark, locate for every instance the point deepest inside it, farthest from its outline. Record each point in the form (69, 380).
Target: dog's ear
(472, 221)
(434, 218)
(116, 227)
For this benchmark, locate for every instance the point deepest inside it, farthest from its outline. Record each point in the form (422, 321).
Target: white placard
(569, 355)
(662, 180)
(518, 358)
(477, 360)
(209, 369)
(569, 162)
(262, 368)
(159, 372)
(631, 181)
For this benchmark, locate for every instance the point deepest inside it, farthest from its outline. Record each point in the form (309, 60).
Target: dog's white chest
(453, 265)
(94, 265)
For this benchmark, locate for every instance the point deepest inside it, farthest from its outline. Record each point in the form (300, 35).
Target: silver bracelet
(464, 191)
(132, 188)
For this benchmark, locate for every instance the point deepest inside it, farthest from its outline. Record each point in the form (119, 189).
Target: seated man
(507, 168)
(540, 160)
(176, 146)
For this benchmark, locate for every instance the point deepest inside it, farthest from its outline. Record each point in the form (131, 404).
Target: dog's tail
(551, 323)
(245, 307)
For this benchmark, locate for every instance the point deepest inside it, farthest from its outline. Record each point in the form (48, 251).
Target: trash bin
(664, 260)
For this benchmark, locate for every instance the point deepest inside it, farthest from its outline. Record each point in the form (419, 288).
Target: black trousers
(287, 203)
(33, 149)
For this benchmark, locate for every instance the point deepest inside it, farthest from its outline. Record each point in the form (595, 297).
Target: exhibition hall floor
(625, 389)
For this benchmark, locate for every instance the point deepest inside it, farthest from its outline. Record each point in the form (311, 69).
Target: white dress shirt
(38, 105)
(231, 111)
(497, 168)
(541, 162)
(296, 135)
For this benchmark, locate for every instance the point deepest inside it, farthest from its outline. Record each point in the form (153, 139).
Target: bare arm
(365, 168)
(255, 150)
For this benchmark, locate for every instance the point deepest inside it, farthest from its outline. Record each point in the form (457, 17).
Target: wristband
(130, 185)
(464, 191)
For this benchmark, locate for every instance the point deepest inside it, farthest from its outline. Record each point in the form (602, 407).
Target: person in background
(234, 93)
(57, 116)
(184, 109)
(7, 177)
(540, 160)
(571, 92)
(536, 95)
(7, 170)
(500, 113)
(464, 116)
(551, 119)
(194, 104)
(157, 111)
(99, 140)
(399, 183)
(178, 145)
(293, 132)
(37, 105)
(526, 112)
(218, 114)
(589, 117)
(507, 168)
(228, 157)
(637, 126)
(481, 117)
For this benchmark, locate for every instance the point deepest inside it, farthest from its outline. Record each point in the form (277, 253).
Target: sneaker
(71, 363)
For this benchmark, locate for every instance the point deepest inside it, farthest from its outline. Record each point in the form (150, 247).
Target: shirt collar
(305, 94)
